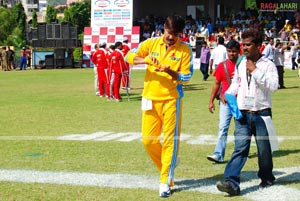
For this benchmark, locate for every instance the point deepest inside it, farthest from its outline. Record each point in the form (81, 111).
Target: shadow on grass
(193, 87)
(283, 178)
(279, 153)
(132, 96)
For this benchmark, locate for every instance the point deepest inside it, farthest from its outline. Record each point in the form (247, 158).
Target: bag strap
(227, 74)
(240, 58)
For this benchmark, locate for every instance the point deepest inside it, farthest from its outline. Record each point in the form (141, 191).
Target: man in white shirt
(279, 61)
(218, 55)
(254, 81)
(269, 50)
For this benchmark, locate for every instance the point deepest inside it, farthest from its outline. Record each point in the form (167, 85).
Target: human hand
(223, 100)
(250, 65)
(162, 68)
(151, 61)
(211, 107)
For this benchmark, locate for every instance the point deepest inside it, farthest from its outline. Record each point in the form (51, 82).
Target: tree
(80, 14)
(66, 15)
(50, 14)
(19, 19)
(15, 40)
(34, 19)
(6, 24)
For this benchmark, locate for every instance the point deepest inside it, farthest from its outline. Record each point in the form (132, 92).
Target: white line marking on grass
(249, 188)
(205, 139)
(82, 137)
(131, 137)
(112, 137)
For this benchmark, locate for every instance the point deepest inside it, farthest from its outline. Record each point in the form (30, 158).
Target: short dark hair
(255, 34)
(277, 44)
(117, 44)
(233, 44)
(221, 40)
(175, 23)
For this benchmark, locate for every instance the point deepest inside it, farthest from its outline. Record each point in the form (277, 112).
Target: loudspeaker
(57, 30)
(65, 31)
(42, 31)
(60, 43)
(37, 43)
(49, 43)
(71, 43)
(49, 31)
(49, 61)
(34, 34)
(59, 63)
(198, 51)
(59, 53)
(73, 32)
(68, 62)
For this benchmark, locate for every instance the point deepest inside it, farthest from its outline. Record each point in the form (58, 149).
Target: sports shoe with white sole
(164, 190)
(215, 158)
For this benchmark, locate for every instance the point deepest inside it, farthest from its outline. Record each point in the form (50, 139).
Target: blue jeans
(250, 123)
(225, 117)
(23, 63)
(204, 70)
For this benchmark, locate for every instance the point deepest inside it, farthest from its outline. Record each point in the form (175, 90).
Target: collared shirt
(259, 86)
(205, 55)
(219, 54)
(268, 52)
(278, 57)
(160, 85)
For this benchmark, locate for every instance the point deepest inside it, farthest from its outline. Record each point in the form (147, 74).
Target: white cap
(102, 44)
(286, 21)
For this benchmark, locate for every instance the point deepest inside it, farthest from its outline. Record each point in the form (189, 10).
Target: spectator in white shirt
(218, 55)
(269, 50)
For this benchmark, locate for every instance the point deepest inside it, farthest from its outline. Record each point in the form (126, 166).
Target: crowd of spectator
(283, 25)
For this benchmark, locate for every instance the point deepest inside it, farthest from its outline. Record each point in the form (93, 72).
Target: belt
(256, 112)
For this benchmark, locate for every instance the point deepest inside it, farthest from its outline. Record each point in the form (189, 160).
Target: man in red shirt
(100, 58)
(119, 68)
(233, 49)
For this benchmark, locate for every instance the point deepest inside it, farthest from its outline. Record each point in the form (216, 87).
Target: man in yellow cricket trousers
(169, 66)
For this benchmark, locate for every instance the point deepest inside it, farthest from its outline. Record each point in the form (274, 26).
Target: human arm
(211, 61)
(266, 76)
(213, 95)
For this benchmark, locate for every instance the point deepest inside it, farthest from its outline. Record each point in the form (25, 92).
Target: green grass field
(39, 106)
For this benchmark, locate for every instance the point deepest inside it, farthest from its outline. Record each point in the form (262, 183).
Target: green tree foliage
(80, 14)
(19, 18)
(66, 15)
(50, 14)
(13, 26)
(15, 40)
(5, 25)
(34, 19)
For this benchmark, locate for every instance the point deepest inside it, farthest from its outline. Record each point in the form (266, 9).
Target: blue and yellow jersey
(160, 85)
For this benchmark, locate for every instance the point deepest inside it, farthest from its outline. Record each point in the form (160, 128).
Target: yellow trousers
(165, 116)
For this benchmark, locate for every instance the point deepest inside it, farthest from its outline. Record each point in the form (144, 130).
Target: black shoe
(265, 184)
(228, 187)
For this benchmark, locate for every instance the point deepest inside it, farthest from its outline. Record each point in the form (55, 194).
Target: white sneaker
(215, 158)
(164, 190)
